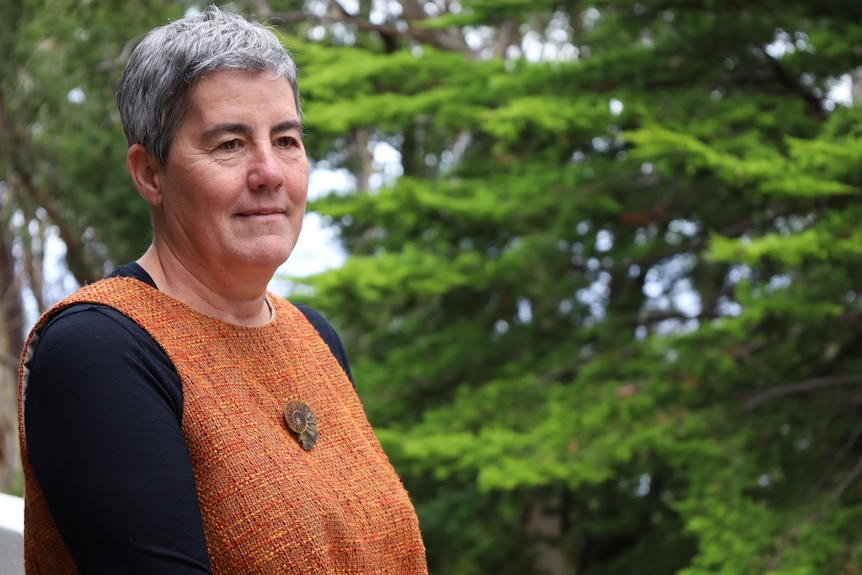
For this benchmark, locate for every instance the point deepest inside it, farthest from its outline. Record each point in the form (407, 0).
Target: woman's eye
(286, 142)
(229, 145)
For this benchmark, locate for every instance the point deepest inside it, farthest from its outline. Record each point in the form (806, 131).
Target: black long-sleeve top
(102, 419)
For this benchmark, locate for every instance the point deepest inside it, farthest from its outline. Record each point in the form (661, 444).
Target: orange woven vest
(268, 505)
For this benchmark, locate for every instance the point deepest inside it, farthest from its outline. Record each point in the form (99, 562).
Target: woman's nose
(265, 171)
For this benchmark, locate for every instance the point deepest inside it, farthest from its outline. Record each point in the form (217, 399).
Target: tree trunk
(11, 342)
(545, 531)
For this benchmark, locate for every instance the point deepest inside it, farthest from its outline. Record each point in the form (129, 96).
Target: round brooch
(301, 420)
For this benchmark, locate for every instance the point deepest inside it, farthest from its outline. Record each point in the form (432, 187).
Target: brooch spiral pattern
(300, 419)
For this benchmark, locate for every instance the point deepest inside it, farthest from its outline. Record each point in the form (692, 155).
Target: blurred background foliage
(601, 293)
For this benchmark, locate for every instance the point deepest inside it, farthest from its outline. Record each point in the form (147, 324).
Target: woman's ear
(146, 174)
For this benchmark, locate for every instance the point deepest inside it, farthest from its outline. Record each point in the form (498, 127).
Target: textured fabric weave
(268, 505)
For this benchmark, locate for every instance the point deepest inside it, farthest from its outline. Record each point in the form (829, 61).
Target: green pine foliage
(616, 291)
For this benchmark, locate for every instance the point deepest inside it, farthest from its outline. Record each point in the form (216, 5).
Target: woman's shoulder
(90, 345)
(328, 335)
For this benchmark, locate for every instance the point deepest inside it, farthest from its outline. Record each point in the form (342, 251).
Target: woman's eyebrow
(226, 128)
(287, 125)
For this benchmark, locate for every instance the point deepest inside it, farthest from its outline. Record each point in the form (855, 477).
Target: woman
(175, 417)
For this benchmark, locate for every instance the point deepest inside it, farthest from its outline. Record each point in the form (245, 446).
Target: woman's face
(234, 186)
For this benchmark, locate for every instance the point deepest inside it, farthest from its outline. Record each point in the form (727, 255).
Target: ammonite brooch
(301, 420)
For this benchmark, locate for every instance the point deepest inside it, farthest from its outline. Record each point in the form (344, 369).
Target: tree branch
(845, 449)
(508, 35)
(815, 103)
(848, 479)
(805, 386)
(449, 39)
(123, 57)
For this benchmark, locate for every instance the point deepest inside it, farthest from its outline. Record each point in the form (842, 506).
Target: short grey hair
(154, 92)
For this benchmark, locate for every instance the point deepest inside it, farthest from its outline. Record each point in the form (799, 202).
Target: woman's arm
(102, 420)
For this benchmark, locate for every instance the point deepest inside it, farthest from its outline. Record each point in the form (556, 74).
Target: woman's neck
(202, 292)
